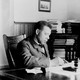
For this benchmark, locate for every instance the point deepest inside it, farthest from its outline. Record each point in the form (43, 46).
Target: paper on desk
(59, 71)
(58, 68)
(34, 70)
(53, 69)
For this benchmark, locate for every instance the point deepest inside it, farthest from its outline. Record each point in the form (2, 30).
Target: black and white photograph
(45, 5)
(39, 39)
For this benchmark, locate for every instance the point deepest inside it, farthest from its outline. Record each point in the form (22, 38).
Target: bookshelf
(63, 41)
(72, 27)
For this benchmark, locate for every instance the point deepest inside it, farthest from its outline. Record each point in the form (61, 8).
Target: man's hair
(40, 25)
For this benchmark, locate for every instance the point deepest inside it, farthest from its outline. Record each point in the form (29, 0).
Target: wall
(6, 27)
(24, 28)
(73, 9)
(3, 59)
(7, 17)
(29, 8)
(1, 41)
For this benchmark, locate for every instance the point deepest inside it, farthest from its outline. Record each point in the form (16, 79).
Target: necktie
(42, 47)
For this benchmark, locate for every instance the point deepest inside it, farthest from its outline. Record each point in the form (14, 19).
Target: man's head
(42, 31)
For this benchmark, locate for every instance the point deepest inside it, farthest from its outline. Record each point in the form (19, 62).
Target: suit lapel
(46, 50)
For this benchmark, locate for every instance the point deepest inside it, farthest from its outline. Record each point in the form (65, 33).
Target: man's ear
(37, 31)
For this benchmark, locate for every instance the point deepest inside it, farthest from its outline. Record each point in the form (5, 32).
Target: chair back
(10, 43)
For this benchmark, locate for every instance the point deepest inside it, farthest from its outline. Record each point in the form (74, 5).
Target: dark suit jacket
(30, 54)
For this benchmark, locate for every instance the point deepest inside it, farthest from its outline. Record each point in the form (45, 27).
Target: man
(33, 51)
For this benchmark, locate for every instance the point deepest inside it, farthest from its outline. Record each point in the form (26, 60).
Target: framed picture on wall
(45, 5)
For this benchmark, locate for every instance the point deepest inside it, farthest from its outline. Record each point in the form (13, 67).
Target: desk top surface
(56, 73)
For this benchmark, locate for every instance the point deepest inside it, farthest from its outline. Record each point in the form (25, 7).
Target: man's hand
(56, 62)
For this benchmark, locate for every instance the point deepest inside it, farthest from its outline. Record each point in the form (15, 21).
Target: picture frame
(45, 5)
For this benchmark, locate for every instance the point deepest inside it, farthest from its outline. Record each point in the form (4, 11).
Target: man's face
(44, 34)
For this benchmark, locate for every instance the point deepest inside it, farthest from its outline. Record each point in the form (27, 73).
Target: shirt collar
(35, 40)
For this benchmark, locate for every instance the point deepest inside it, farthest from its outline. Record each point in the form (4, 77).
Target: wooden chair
(10, 43)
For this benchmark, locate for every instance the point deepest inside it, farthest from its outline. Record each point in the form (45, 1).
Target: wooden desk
(53, 73)
(22, 75)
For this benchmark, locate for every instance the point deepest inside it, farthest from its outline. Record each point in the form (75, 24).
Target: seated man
(33, 51)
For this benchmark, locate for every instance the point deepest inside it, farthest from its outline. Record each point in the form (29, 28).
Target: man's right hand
(56, 62)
